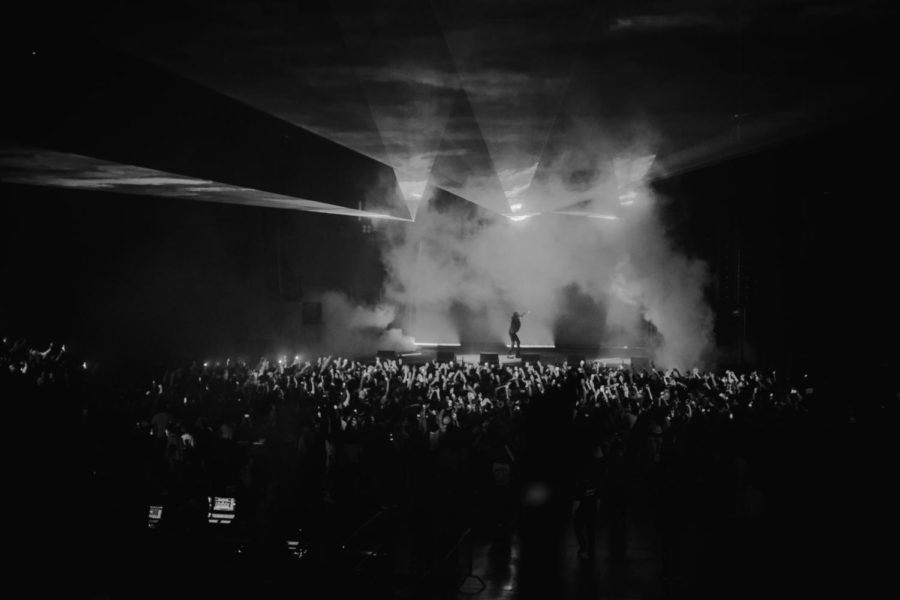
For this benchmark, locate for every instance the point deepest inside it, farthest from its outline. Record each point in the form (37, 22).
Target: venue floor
(496, 562)
(765, 561)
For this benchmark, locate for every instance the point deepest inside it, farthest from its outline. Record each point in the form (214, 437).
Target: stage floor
(546, 355)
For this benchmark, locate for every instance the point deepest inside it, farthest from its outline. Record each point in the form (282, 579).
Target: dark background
(800, 237)
(124, 279)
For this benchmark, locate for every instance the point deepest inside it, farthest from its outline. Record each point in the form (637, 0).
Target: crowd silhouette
(308, 450)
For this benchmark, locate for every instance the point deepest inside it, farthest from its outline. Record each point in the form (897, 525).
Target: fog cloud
(587, 280)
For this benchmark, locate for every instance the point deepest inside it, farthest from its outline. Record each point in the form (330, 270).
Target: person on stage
(514, 325)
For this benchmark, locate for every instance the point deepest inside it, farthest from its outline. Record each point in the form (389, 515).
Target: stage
(475, 353)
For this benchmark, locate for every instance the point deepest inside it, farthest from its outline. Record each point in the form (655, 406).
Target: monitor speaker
(640, 363)
(489, 357)
(445, 356)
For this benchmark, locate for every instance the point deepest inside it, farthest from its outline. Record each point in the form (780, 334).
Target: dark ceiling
(346, 106)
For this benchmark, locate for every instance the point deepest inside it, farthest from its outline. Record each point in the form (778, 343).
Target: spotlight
(516, 207)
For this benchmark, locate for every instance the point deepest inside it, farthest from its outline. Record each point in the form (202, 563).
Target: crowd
(314, 445)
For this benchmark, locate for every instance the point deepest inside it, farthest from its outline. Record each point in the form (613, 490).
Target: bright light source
(627, 199)
(586, 215)
(521, 217)
(516, 207)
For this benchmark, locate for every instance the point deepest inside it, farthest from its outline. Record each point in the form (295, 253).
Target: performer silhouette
(514, 325)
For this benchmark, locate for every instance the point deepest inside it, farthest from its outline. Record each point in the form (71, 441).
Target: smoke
(348, 329)
(667, 288)
(465, 269)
